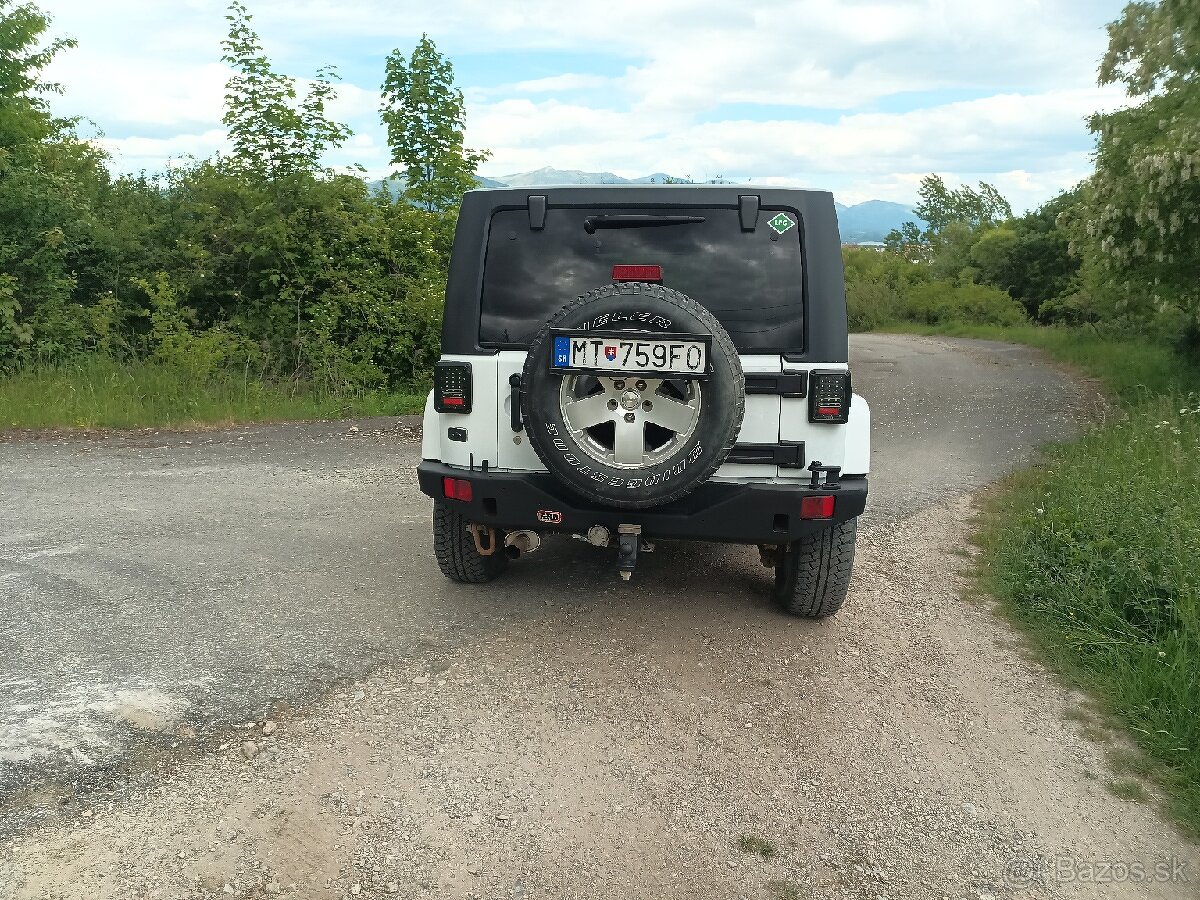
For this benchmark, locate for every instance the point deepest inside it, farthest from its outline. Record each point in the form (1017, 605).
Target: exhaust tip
(518, 542)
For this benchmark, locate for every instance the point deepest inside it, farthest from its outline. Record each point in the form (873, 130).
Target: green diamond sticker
(781, 223)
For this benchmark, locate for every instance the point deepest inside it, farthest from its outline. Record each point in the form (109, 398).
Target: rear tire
(455, 548)
(814, 575)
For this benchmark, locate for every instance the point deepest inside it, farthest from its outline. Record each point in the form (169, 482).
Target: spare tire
(633, 441)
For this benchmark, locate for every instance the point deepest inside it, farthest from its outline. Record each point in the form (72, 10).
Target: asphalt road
(159, 588)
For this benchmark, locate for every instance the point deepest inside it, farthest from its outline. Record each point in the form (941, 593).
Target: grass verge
(103, 393)
(1129, 368)
(1096, 552)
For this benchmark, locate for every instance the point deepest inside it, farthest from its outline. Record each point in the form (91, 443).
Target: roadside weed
(757, 846)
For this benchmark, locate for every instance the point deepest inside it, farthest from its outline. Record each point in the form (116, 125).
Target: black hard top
(824, 287)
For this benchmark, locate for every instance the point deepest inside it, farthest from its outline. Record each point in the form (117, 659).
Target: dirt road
(558, 734)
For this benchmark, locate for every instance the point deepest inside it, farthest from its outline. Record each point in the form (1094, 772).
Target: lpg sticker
(549, 516)
(782, 223)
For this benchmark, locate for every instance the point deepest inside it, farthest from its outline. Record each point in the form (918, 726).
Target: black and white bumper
(720, 511)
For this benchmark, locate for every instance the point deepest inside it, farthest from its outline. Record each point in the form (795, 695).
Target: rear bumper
(715, 511)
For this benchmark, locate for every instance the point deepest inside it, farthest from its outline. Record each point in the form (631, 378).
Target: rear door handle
(514, 403)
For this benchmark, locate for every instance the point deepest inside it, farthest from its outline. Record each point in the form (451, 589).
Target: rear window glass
(750, 280)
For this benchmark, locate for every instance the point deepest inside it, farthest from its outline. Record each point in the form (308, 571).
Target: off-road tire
(639, 308)
(814, 574)
(455, 548)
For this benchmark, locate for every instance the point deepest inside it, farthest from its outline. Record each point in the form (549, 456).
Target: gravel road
(229, 667)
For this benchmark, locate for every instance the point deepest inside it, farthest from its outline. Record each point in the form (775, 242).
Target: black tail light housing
(452, 387)
(829, 395)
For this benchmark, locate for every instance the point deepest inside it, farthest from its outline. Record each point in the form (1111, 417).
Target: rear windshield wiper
(591, 223)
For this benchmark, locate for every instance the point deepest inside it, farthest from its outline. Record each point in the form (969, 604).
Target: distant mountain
(547, 175)
(395, 184)
(862, 222)
(871, 220)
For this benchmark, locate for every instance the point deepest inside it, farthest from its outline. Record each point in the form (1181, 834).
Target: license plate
(684, 354)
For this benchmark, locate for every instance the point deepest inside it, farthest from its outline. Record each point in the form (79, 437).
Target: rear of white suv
(634, 363)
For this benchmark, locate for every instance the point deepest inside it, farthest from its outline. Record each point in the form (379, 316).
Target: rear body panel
(747, 501)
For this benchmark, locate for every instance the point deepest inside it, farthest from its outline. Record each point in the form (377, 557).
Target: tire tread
(814, 577)
(719, 335)
(455, 549)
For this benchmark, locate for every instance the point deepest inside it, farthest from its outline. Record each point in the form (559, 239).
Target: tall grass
(102, 393)
(1097, 551)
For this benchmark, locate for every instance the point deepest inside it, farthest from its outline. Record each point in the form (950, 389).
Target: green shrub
(871, 305)
(940, 303)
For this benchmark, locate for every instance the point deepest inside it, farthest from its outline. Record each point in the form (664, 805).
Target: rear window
(750, 280)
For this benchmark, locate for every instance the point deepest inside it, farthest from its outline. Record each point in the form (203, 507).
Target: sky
(861, 98)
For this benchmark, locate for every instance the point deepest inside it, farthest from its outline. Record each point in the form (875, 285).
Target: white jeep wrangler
(635, 363)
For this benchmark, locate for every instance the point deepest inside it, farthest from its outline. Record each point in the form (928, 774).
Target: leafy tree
(424, 114)
(1140, 212)
(909, 242)
(274, 132)
(1029, 257)
(24, 114)
(940, 206)
(49, 181)
(948, 214)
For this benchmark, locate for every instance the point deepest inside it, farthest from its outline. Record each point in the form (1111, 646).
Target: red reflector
(453, 401)
(460, 489)
(821, 410)
(637, 273)
(816, 507)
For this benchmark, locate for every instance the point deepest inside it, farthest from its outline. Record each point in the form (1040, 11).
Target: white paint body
(769, 419)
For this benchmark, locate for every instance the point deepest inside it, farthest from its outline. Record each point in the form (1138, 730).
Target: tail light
(458, 489)
(816, 507)
(829, 397)
(452, 387)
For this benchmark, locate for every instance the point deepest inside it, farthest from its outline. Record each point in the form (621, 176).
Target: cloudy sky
(859, 97)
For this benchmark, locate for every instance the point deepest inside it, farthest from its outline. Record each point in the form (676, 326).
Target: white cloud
(1007, 133)
(649, 86)
(154, 154)
(570, 81)
(118, 91)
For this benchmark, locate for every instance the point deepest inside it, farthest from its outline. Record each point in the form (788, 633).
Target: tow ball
(628, 538)
(629, 543)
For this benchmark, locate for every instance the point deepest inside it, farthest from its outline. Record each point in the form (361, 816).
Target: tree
(1029, 257)
(1140, 212)
(940, 206)
(49, 180)
(274, 133)
(949, 215)
(424, 114)
(24, 114)
(908, 241)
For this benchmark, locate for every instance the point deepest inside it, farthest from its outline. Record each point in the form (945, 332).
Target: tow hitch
(629, 543)
(628, 539)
